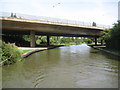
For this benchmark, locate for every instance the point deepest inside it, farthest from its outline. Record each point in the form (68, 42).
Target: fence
(24, 16)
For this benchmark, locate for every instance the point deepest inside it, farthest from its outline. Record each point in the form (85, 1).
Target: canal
(77, 66)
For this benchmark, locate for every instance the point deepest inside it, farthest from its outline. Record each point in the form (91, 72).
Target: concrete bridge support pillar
(48, 40)
(95, 41)
(101, 42)
(32, 38)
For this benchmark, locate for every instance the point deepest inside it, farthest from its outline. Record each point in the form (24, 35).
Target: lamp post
(119, 10)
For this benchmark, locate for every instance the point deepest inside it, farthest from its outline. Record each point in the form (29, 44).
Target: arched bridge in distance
(47, 26)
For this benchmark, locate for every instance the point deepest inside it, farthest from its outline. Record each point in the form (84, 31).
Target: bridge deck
(50, 22)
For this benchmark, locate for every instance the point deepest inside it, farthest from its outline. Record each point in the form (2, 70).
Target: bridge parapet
(54, 20)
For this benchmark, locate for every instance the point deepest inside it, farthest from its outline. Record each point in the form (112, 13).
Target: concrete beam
(32, 38)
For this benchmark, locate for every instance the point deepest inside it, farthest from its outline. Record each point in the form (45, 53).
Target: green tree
(11, 15)
(112, 37)
(105, 34)
(115, 31)
(15, 15)
(94, 24)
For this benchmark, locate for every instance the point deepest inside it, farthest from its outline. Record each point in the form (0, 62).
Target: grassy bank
(25, 51)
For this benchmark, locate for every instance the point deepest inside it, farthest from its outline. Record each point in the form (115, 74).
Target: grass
(24, 51)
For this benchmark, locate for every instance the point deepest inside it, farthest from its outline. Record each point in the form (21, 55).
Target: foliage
(41, 40)
(57, 40)
(10, 53)
(19, 40)
(94, 24)
(112, 37)
(115, 31)
(13, 15)
(24, 40)
(26, 37)
(105, 34)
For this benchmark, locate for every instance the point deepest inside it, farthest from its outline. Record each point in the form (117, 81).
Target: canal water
(77, 66)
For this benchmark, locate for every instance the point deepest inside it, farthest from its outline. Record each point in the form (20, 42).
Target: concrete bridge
(11, 25)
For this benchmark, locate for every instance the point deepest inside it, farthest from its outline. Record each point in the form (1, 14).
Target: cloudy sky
(100, 11)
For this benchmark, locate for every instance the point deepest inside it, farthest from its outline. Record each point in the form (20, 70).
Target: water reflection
(77, 66)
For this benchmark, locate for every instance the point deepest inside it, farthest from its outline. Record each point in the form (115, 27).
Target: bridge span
(11, 25)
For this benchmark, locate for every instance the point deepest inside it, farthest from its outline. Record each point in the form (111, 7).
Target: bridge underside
(13, 32)
(33, 33)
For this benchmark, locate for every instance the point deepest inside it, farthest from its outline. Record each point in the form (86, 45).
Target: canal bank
(104, 50)
(30, 50)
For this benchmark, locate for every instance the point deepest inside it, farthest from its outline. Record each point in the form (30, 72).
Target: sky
(100, 11)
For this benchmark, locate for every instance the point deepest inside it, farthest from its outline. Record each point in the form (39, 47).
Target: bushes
(10, 53)
(114, 41)
(112, 37)
(113, 44)
(19, 40)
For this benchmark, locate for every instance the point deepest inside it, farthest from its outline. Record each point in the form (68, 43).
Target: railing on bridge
(24, 16)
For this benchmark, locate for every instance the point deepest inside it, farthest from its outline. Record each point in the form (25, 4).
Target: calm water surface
(77, 66)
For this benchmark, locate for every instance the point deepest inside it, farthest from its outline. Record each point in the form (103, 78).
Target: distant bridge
(48, 27)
